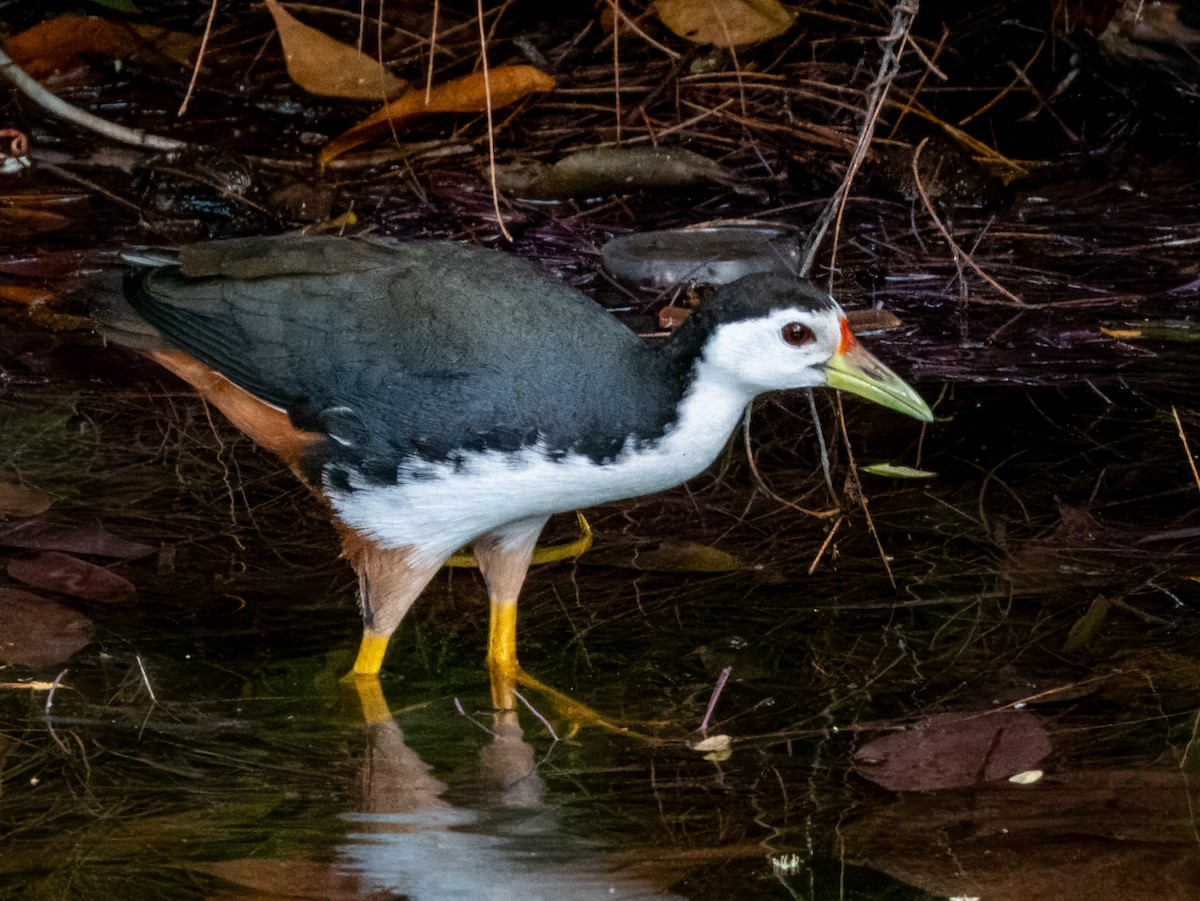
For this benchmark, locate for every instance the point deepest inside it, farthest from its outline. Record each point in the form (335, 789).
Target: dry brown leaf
(22, 500)
(322, 65)
(462, 95)
(26, 297)
(37, 631)
(725, 23)
(65, 42)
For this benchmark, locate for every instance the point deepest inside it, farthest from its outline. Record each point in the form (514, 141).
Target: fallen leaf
(713, 743)
(868, 322)
(91, 540)
(55, 571)
(22, 500)
(462, 95)
(39, 632)
(687, 556)
(24, 222)
(954, 750)
(66, 42)
(30, 686)
(322, 65)
(1088, 626)
(609, 170)
(27, 297)
(1173, 330)
(1026, 778)
(896, 471)
(725, 23)
(672, 316)
(48, 263)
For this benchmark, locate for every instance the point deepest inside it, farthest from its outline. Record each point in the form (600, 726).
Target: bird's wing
(398, 348)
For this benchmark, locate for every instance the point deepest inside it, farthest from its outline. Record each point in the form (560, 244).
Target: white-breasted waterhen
(439, 395)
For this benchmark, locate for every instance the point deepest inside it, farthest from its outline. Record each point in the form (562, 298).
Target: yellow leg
(370, 655)
(502, 653)
(571, 550)
(370, 695)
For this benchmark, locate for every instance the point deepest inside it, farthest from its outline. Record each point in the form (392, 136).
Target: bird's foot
(552, 553)
(512, 685)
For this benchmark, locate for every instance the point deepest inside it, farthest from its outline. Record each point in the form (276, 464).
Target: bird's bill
(855, 370)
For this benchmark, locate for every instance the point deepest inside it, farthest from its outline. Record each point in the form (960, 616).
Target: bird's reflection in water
(407, 839)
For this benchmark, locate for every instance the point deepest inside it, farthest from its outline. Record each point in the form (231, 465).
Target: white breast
(437, 508)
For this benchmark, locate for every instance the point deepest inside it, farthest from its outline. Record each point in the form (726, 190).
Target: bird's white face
(797, 347)
(788, 348)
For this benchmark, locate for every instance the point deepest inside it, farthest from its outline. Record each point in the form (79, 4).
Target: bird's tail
(115, 319)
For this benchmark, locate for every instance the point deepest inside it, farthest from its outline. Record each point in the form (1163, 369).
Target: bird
(437, 395)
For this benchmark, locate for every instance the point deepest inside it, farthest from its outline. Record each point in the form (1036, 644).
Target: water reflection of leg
(406, 840)
(393, 779)
(507, 765)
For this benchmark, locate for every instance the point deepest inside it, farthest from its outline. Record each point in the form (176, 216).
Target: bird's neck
(708, 406)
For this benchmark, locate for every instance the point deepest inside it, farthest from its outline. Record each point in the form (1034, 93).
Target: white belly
(436, 508)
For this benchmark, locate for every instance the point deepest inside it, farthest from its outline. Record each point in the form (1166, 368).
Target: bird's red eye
(797, 334)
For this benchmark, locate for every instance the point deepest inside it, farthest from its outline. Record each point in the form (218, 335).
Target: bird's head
(769, 332)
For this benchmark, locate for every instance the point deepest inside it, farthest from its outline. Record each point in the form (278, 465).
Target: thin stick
(53, 688)
(53, 105)
(145, 678)
(432, 52)
(862, 495)
(816, 418)
(616, 7)
(716, 693)
(187, 96)
(545, 722)
(1191, 741)
(812, 567)
(459, 707)
(487, 93)
(903, 13)
(1186, 450)
(954, 245)
(761, 483)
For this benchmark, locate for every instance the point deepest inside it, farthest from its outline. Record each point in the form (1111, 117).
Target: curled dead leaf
(725, 23)
(323, 65)
(462, 95)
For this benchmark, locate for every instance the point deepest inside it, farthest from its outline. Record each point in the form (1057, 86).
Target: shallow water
(201, 745)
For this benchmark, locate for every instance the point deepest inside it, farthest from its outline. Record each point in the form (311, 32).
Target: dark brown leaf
(37, 631)
(91, 540)
(952, 750)
(65, 574)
